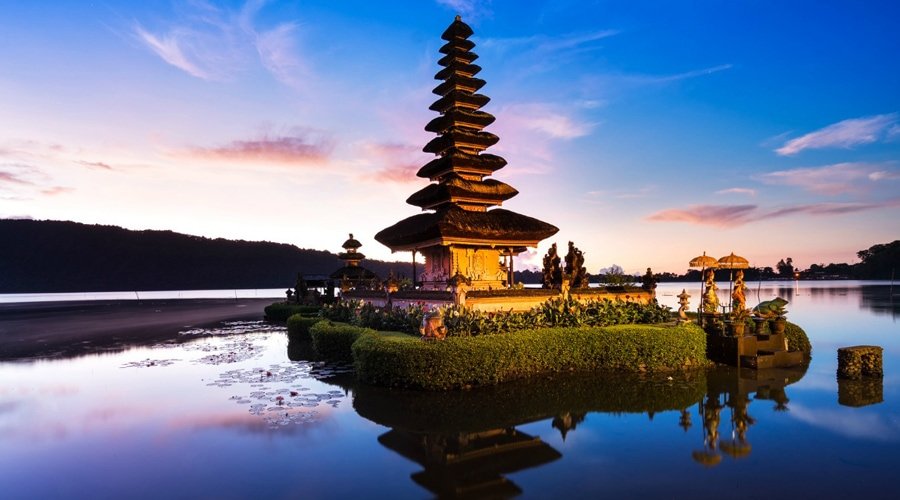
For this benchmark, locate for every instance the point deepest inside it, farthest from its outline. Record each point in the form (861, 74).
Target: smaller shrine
(352, 275)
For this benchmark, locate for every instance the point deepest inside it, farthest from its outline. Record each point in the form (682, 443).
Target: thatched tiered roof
(460, 194)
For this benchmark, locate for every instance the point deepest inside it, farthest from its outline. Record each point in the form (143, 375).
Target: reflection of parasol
(732, 262)
(735, 449)
(704, 262)
(706, 458)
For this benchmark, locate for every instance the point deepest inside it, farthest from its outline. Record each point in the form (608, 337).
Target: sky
(649, 132)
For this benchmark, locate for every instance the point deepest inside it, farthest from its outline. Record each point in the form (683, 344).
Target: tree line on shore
(63, 256)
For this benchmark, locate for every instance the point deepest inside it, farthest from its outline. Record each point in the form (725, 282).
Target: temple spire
(459, 232)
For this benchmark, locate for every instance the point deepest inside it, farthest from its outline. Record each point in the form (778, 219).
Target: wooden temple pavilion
(459, 234)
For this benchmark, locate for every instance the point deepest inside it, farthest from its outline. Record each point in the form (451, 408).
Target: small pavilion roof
(351, 243)
(353, 273)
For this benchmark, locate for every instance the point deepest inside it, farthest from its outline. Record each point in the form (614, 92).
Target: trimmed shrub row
(298, 326)
(395, 359)
(281, 311)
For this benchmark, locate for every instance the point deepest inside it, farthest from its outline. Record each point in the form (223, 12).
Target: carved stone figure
(649, 282)
(738, 298)
(710, 298)
(552, 271)
(575, 270)
(433, 326)
(684, 305)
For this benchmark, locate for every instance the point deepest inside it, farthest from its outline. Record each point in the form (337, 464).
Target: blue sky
(648, 132)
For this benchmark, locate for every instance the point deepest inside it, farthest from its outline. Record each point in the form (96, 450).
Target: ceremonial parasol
(704, 261)
(732, 262)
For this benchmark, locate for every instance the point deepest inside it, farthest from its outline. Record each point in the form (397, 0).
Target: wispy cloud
(833, 179)
(744, 191)
(94, 164)
(14, 178)
(849, 422)
(843, 134)
(394, 162)
(708, 215)
(25, 181)
(547, 119)
(545, 45)
(306, 149)
(216, 44)
(739, 215)
(56, 190)
(657, 79)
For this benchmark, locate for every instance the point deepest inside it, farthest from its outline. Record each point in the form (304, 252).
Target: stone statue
(575, 270)
(684, 305)
(738, 299)
(433, 326)
(289, 293)
(300, 288)
(649, 282)
(710, 298)
(552, 271)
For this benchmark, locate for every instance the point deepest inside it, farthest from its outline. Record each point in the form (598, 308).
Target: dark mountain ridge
(63, 256)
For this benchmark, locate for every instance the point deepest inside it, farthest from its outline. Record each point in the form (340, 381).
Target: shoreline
(34, 330)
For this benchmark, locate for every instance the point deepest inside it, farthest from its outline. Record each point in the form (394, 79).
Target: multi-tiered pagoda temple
(460, 234)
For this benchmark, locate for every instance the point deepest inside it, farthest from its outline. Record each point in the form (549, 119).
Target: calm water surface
(237, 412)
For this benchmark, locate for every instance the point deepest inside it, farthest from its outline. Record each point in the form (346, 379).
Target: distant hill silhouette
(62, 256)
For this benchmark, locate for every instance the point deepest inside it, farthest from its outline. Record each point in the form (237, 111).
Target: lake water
(237, 412)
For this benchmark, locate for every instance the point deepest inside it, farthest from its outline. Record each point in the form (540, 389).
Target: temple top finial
(458, 18)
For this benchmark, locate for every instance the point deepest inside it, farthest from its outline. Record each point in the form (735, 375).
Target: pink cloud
(298, 149)
(746, 191)
(739, 215)
(56, 190)
(14, 178)
(832, 179)
(399, 162)
(709, 215)
(94, 164)
(843, 134)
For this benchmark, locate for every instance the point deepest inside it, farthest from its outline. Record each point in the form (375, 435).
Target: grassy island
(400, 360)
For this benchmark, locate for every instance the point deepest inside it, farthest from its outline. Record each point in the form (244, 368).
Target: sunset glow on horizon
(648, 132)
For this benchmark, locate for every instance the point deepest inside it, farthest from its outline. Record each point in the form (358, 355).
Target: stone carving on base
(683, 305)
(738, 297)
(710, 298)
(433, 326)
(552, 271)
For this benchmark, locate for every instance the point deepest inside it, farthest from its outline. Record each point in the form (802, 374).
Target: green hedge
(281, 311)
(797, 339)
(405, 361)
(332, 341)
(298, 326)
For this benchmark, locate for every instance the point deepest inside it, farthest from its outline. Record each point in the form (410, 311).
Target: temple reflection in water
(468, 442)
